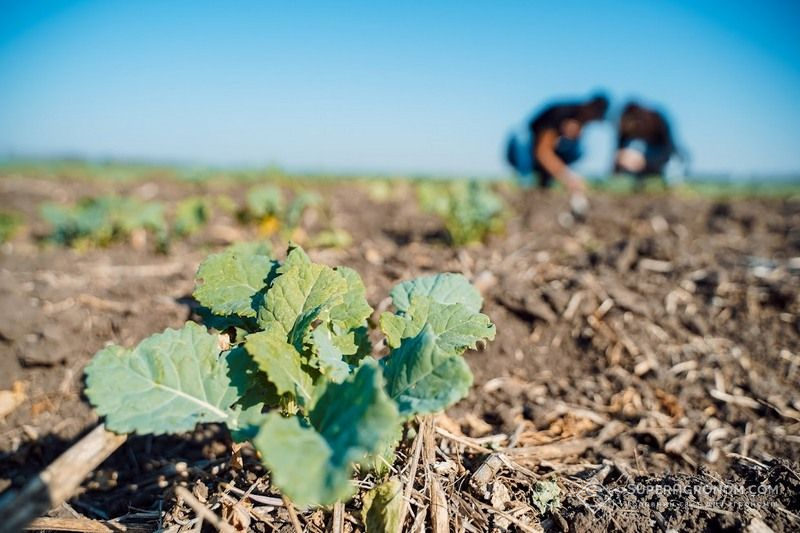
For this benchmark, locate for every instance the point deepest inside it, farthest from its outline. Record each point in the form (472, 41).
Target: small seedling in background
(470, 210)
(10, 223)
(103, 220)
(267, 206)
(191, 215)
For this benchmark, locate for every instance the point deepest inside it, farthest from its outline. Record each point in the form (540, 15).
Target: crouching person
(554, 143)
(644, 143)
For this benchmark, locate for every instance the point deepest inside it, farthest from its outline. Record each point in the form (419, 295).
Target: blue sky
(428, 87)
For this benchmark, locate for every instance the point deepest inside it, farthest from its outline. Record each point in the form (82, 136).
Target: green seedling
(470, 210)
(103, 220)
(293, 372)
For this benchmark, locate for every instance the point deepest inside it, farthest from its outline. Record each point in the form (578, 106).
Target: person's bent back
(556, 134)
(644, 142)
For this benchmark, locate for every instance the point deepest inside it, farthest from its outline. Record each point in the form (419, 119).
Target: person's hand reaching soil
(579, 205)
(573, 181)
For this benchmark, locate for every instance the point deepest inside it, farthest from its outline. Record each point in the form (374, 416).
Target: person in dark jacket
(554, 144)
(644, 142)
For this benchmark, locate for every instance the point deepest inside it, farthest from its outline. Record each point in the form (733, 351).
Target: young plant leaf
(356, 415)
(422, 378)
(396, 327)
(348, 422)
(233, 282)
(456, 327)
(281, 362)
(329, 357)
(252, 385)
(355, 344)
(246, 423)
(354, 309)
(299, 460)
(168, 383)
(298, 290)
(445, 288)
(382, 508)
(300, 333)
(255, 393)
(294, 257)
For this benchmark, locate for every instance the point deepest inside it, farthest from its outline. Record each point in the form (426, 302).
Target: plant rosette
(295, 374)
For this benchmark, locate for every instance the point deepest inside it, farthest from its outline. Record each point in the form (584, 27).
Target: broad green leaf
(349, 422)
(329, 357)
(298, 290)
(354, 309)
(233, 282)
(444, 288)
(299, 460)
(422, 378)
(354, 344)
(382, 508)
(252, 385)
(348, 343)
(299, 335)
(456, 327)
(361, 339)
(395, 327)
(246, 423)
(168, 383)
(281, 362)
(355, 416)
(255, 393)
(294, 257)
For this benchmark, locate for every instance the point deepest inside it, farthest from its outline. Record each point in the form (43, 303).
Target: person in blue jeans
(553, 142)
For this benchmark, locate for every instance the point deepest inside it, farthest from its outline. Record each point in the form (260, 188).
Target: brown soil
(671, 323)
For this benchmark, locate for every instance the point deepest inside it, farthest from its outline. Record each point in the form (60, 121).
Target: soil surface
(647, 359)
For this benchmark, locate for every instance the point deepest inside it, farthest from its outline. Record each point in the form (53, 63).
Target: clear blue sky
(390, 86)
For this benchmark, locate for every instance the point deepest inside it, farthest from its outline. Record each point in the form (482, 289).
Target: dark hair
(595, 108)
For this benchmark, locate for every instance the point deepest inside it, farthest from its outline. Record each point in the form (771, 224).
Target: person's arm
(546, 156)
